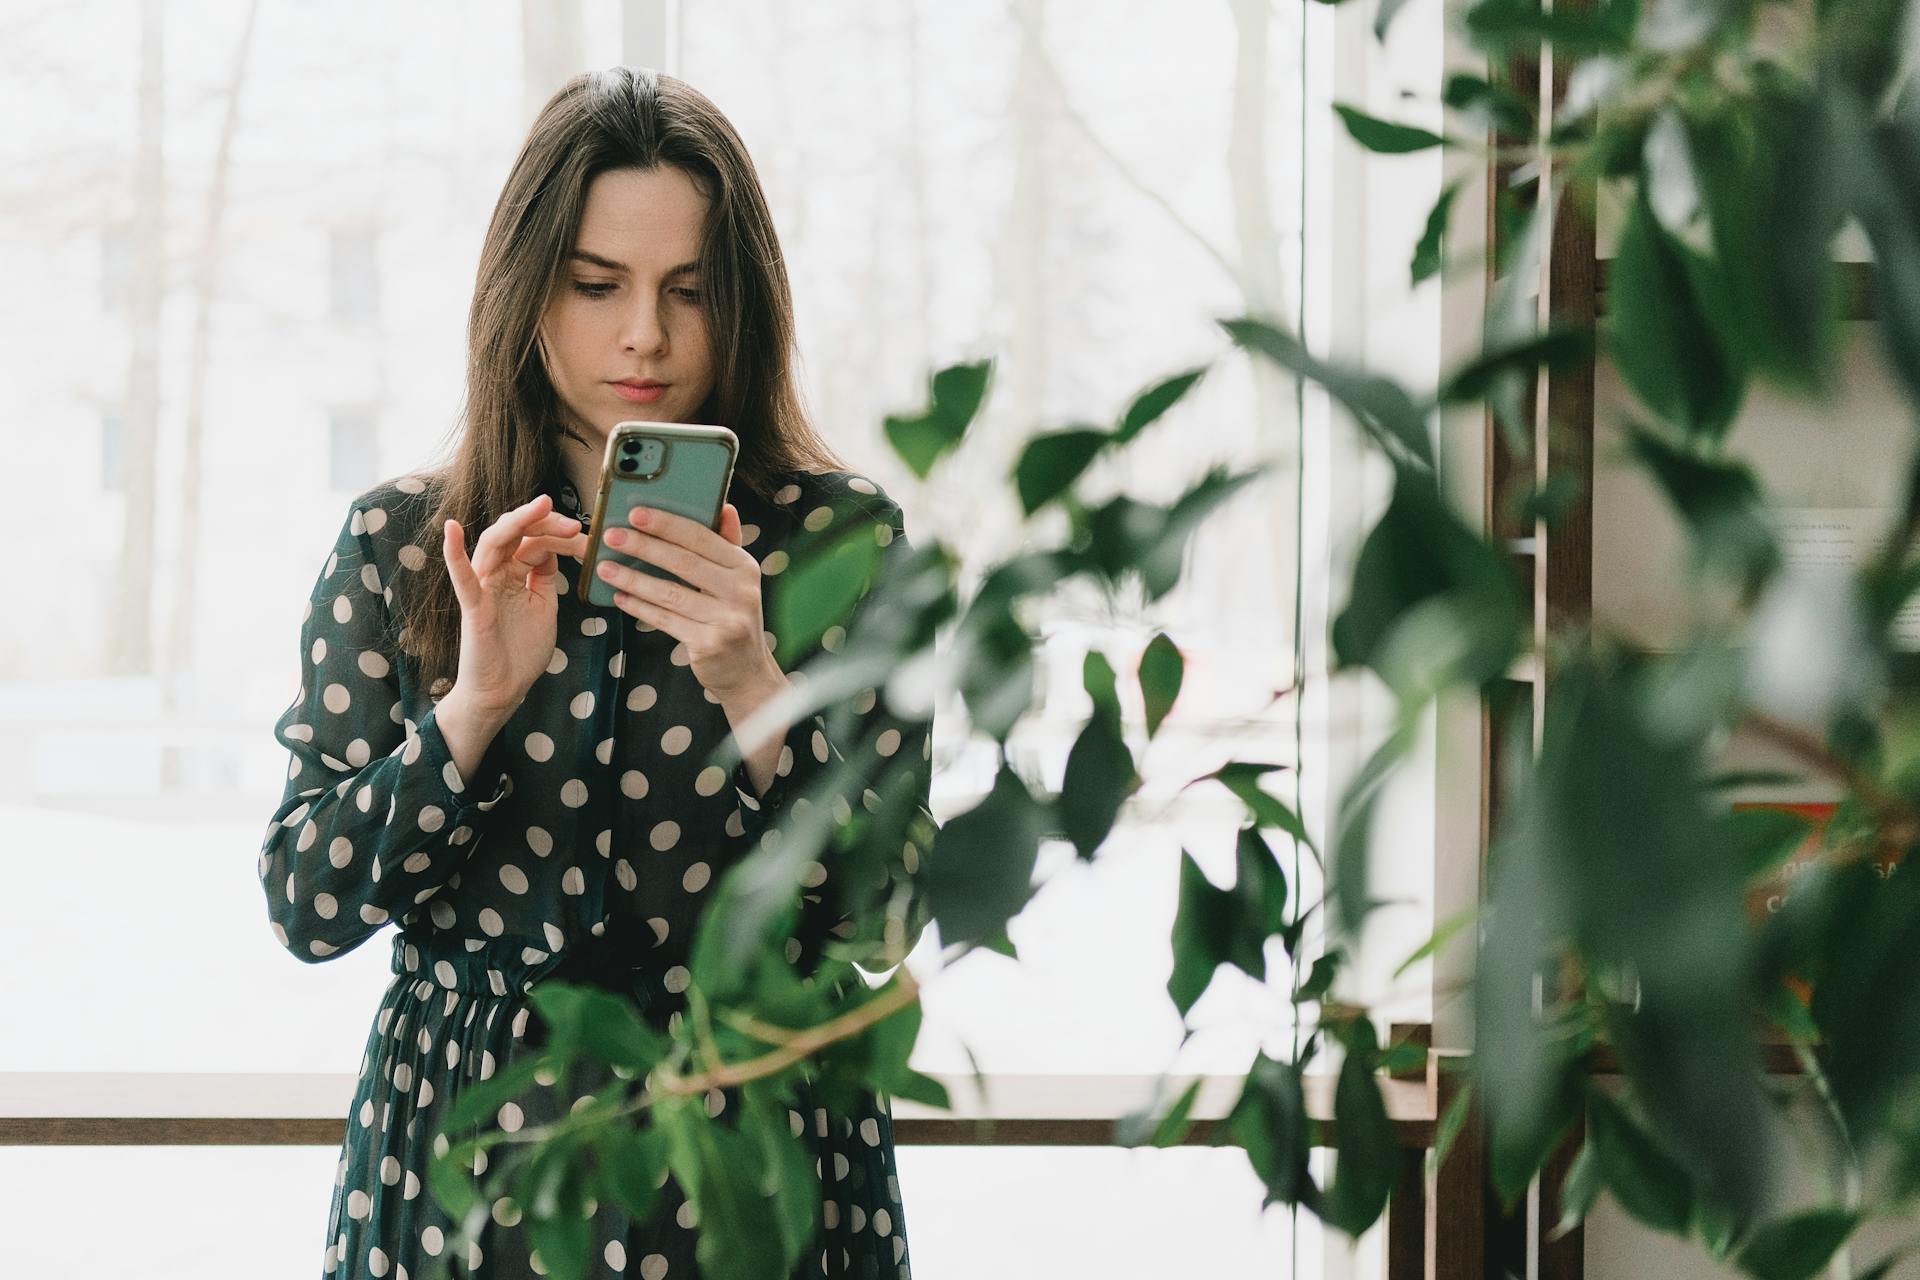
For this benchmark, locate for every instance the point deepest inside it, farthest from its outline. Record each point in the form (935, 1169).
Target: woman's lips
(639, 395)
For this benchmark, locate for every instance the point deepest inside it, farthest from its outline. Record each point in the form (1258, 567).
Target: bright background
(240, 241)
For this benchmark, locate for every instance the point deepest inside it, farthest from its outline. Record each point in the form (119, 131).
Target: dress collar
(560, 488)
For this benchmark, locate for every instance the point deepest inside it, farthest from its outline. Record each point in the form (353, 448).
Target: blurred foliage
(1615, 917)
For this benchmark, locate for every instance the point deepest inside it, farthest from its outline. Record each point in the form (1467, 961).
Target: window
(1045, 181)
(353, 274)
(116, 268)
(110, 453)
(351, 449)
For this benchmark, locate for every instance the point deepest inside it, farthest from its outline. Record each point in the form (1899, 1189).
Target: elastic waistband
(504, 967)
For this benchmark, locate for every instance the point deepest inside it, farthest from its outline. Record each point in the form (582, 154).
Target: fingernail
(639, 516)
(616, 538)
(606, 570)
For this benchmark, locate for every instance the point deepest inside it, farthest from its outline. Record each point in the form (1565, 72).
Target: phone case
(688, 475)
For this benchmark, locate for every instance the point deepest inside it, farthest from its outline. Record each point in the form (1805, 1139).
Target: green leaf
(479, 1101)
(1578, 1191)
(1150, 405)
(1426, 253)
(1100, 771)
(1420, 552)
(1550, 349)
(1381, 406)
(1647, 1182)
(1443, 933)
(1367, 1158)
(1269, 1122)
(980, 872)
(1797, 1247)
(1663, 346)
(1719, 500)
(630, 1162)
(1160, 673)
(1503, 26)
(1242, 777)
(1384, 137)
(1050, 464)
(1495, 105)
(790, 1175)
(955, 395)
(1209, 929)
(821, 587)
(723, 1170)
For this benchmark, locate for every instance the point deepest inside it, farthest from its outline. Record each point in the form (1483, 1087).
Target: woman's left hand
(717, 615)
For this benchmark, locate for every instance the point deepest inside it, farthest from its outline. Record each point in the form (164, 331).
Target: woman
(517, 779)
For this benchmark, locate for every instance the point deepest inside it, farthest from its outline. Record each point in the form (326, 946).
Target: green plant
(1621, 867)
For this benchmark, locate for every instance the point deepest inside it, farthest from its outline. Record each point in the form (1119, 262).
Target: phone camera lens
(628, 464)
(630, 446)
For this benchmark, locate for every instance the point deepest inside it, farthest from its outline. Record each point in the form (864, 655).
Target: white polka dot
(432, 1241)
(676, 978)
(774, 563)
(573, 883)
(653, 1266)
(432, 818)
(641, 697)
(860, 484)
(664, 835)
(882, 1223)
(573, 793)
(336, 698)
(659, 926)
(319, 651)
(888, 742)
(342, 609)
(376, 519)
(676, 740)
(593, 626)
(539, 841)
(696, 877)
(813, 874)
(582, 705)
(376, 1262)
(786, 493)
(416, 862)
(444, 972)
(513, 877)
(510, 1117)
(359, 1205)
(325, 906)
(870, 1132)
(412, 557)
(624, 873)
(616, 1255)
(340, 852)
(358, 752)
(490, 922)
(539, 746)
(633, 784)
(818, 519)
(557, 663)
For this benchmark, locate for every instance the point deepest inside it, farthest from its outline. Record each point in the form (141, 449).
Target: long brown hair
(509, 441)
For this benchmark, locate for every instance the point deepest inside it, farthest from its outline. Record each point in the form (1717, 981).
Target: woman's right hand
(509, 599)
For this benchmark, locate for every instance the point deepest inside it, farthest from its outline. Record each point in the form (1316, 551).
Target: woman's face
(629, 306)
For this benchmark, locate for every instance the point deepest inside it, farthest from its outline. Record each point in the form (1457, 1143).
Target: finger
(534, 549)
(495, 545)
(730, 523)
(690, 565)
(679, 627)
(453, 548)
(693, 605)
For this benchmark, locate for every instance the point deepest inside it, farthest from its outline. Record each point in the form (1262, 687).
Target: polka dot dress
(591, 828)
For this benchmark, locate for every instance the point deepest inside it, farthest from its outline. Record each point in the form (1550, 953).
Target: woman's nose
(645, 329)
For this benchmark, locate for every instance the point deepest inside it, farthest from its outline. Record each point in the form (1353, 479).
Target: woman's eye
(691, 295)
(591, 290)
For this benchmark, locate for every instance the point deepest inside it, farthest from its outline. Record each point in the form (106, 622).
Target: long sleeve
(375, 817)
(865, 730)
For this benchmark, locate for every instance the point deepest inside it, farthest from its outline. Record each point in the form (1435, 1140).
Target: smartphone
(680, 467)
